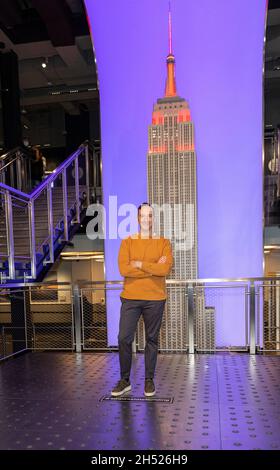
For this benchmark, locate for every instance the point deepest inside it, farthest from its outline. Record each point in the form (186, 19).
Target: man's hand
(136, 264)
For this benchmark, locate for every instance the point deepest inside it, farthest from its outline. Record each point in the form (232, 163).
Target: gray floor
(58, 401)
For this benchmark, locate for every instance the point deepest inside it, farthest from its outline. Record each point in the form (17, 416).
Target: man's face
(145, 218)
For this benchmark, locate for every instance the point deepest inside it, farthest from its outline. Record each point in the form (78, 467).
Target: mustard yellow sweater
(147, 283)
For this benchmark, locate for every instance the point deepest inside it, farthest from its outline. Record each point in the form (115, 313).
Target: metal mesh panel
(51, 315)
(82, 180)
(21, 230)
(94, 319)
(229, 303)
(41, 317)
(57, 202)
(226, 306)
(71, 189)
(174, 332)
(82, 170)
(204, 321)
(268, 315)
(5, 320)
(71, 195)
(3, 234)
(41, 221)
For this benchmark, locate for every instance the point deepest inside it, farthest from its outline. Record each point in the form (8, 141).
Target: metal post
(28, 177)
(31, 220)
(87, 174)
(190, 310)
(4, 341)
(252, 327)
(19, 171)
(12, 175)
(24, 172)
(277, 319)
(2, 173)
(34, 338)
(25, 316)
(77, 190)
(77, 318)
(247, 298)
(50, 224)
(65, 205)
(10, 234)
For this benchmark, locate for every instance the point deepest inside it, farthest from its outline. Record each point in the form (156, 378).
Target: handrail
(120, 281)
(11, 153)
(35, 193)
(7, 164)
(15, 168)
(70, 212)
(194, 281)
(252, 318)
(6, 188)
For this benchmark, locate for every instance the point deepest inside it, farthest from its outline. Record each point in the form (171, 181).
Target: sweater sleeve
(160, 269)
(123, 261)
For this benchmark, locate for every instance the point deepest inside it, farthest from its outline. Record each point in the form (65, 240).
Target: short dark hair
(143, 204)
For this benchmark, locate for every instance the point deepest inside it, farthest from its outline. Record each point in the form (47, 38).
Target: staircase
(35, 227)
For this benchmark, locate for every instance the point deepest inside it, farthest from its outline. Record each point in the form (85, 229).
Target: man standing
(144, 262)
(38, 166)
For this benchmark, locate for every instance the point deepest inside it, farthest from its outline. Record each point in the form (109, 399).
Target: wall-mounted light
(82, 255)
(45, 63)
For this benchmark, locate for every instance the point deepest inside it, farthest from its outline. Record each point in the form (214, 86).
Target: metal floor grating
(226, 401)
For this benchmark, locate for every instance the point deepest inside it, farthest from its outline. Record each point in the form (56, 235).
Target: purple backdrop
(218, 47)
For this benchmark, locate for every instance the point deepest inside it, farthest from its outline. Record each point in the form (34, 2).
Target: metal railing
(15, 169)
(33, 226)
(218, 315)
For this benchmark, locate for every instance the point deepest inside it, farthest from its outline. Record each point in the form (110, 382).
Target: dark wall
(77, 129)
(10, 95)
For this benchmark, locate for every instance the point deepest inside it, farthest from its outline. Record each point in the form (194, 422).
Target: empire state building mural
(172, 181)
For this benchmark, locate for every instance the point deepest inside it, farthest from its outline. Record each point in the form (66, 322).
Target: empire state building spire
(170, 87)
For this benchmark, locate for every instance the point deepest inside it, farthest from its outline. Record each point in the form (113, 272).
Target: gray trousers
(131, 311)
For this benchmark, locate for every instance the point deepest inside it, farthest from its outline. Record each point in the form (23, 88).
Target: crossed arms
(136, 268)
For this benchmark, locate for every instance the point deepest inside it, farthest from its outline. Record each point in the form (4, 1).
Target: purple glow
(218, 48)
